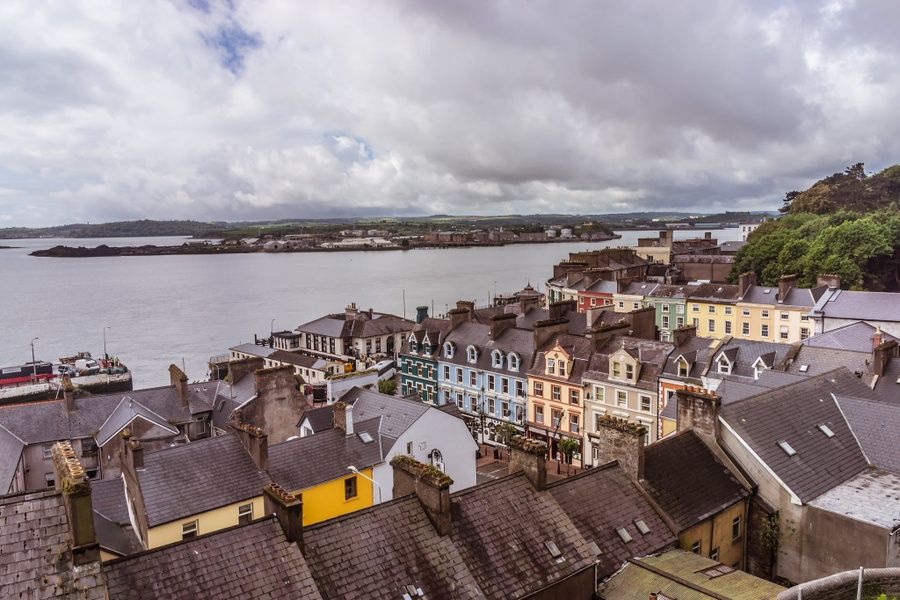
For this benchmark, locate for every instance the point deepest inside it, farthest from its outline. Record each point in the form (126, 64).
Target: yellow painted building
(205, 522)
(778, 313)
(720, 537)
(337, 497)
(711, 308)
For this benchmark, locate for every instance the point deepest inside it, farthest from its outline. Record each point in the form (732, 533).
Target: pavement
(491, 470)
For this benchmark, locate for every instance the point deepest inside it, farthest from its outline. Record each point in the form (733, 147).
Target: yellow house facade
(337, 497)
(205, 522)
(711, 309)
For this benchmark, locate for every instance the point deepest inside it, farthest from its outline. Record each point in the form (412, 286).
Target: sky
(264, 109)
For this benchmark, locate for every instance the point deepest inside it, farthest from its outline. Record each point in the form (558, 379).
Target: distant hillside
(847, 224)
(144, 228)
(850, 190)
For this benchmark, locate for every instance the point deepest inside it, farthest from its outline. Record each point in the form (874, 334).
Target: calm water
(165, 309)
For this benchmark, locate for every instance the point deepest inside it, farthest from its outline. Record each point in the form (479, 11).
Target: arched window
(436, 459)
(513, 361)
(448, 350)
(496, 358)
(471, 354)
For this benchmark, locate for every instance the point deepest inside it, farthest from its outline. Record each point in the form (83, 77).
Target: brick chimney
(684, 334)
(457, 317)
(643, 323)
(237, 369)
(623, 441)
(561, 308)
(466, 305)
(882, 354)
(500, 323)
(600, 336)
(430, 485)
(131, 462)
(68, 391)
(75, 486)
(288, 509)
(698, 409)
(545, 331)
(746, 281)
(180, 381)
(529, 456)
(421, 314)
(254, 440)
(350, 312)
(785, 283)
(828, 279)
(343, 417)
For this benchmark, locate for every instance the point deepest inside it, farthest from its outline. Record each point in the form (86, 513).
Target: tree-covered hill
(847, 224)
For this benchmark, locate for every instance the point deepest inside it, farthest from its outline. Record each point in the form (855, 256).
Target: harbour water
(184, 309)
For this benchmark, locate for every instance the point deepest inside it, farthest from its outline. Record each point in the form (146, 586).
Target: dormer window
(724, 366)
(427, 348)
(617, 369)
(413, 346)
(629, 371)
(758, 367)
(513, 361)
(683, 367)
(562, 368)
(448, 350)
(551, 366)
(496, 358)
(471, 354)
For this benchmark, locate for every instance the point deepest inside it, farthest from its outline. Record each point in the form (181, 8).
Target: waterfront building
(597, 294)
(418, 357)
(836, 308)
(775, 313)
(670, 303)
(632, 296)
(711, 309)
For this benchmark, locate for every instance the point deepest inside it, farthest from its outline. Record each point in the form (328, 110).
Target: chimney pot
(431, 486)
(179, 381)
(343, 417)
(75, 486)
(529, 456)
(288, 509)
(421, 314)
(698, 409)
(622, 441)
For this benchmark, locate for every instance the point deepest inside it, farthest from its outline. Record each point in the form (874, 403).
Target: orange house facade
(556, 398)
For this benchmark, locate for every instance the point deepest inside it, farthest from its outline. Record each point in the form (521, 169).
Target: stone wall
(842, 586)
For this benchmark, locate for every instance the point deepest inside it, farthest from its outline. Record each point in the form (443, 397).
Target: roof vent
(554, 551)
(826, 430)
(804, 368)
(641, 526)
(623, 533)
(767, 291)
(787, 448)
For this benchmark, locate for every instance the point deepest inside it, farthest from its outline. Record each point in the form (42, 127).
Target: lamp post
(105, 353)
(355, 471)
(33, 363)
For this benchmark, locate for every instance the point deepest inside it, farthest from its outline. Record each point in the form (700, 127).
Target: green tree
(568, 447)
(387, 386)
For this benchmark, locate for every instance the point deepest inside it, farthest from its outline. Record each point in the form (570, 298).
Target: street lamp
(105, 353)
(355, 471)
(33, 363)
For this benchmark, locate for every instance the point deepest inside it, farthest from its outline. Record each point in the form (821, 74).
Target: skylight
(717, 571)
(554, 551)
(767, 291)
(826, 430)
(412, 592)
(623, 533)
(804, 368)
(365, 437)
(787, 448)
(641, 526)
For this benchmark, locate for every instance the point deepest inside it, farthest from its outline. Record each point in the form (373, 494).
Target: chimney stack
(254, 440)
(457, 317)
(545, 331)
(431, 486)
(829, 280)
(288, 509)
(684, 334)
(622, 441)
(179, 380)
(561, 308)
(343, 417)
(600, 336)
(643, 323)
(500, 323)
(350, 312)
(75, 486)
(529, 456)
(746, 281)
(68, 391)
(237, 369)
(421, 314)
(698, 409)
(882, 354)
(785, 283)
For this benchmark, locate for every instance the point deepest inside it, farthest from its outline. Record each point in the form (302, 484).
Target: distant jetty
(151, 250)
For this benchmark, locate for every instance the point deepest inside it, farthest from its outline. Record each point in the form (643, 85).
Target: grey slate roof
(697, 351)
(251, 561)
(855, 336)
(320, 418)
(743, 353)
(108, 499)
(872, 306)
(716, 292)
(253, 349)
(500, 529)
(639, 288)
(397, 414)
(127, 411)
(303, 462)
(11, 449)
(687, 481)
(375, 553)
(652, 357)
(579, 350)
(873, 496)
(517, 340)
(298, 360)
(35, 556)
(115, 538)
(796, 297)
(792, 414)
(192, 478)
(621, 505)
(877, 429)
(339, 326)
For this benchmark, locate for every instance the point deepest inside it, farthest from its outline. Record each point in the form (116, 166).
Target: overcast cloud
(262, 109)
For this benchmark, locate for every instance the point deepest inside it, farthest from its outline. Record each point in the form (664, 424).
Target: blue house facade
(418, 358)
(482, 369)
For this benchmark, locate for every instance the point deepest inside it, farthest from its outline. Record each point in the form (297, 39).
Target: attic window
(448, 350)
(826, 430)
(717, 571)
(641, 526)
(365, 437)
(554, 551)
(623, 533)
(804, 368)
(787, 448)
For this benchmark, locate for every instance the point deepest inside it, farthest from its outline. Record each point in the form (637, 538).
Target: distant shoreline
(188, 249)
